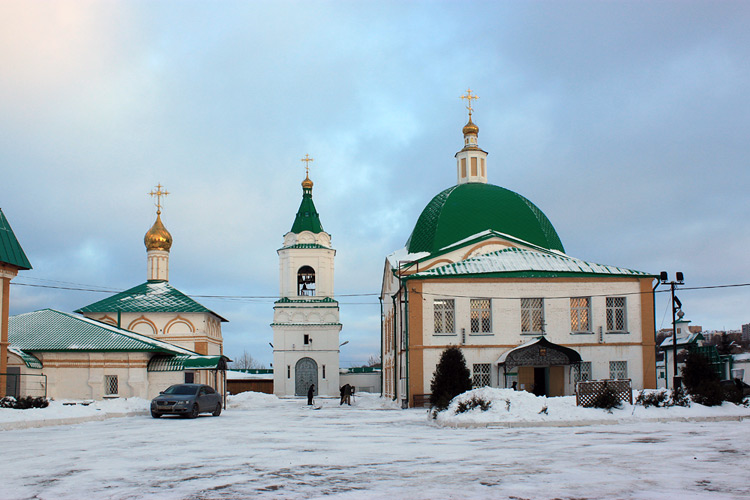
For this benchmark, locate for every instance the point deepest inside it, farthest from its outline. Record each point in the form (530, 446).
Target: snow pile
(67, 411)
(507, 405)
(364, 400)
(250, 400)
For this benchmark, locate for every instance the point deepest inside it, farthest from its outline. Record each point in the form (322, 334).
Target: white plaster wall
(506, 322)
(362, 382)
(171, 327)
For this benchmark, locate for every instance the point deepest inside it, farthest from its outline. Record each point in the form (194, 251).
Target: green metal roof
(192, 362)
(30, 360)
(519, 262)
(152, 296)
(50, 330)
(307, 217)
(468, 209)
(10, 250)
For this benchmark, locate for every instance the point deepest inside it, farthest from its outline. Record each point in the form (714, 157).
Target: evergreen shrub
(474, 402)
(658, 399)
(607, 400)
(450, 379)
(23, 403)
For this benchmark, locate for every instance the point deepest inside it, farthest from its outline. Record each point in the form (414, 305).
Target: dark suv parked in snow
(188, 400)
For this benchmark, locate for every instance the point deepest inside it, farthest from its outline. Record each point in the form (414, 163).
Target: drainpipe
(406, 337)
(656, 347)
(396, 364)
(119, 318)
(382, 361)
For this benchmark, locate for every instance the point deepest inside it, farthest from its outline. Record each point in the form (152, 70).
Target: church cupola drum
(306, 317)
(158, 242)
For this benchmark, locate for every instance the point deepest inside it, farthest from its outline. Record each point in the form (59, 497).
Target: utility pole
(676, 312)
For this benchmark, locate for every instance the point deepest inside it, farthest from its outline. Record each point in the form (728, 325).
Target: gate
(305, 373)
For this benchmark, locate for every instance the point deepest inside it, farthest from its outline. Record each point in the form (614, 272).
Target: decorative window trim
(617, 368)
(444, 314)
(611, 315)
(482, 308)
(580, 315)
(530, 308)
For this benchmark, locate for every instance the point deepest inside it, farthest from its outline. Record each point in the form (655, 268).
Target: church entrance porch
(540, 366)
(305, 374)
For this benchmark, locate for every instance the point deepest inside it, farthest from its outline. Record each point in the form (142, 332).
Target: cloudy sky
(625, 122)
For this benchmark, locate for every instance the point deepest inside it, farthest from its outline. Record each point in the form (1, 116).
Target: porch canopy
(538, 352)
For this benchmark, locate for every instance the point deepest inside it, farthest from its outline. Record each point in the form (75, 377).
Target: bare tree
(245, 362)
(373, 362)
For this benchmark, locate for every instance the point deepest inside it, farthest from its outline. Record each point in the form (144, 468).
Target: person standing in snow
(344, 390)
(310, 393)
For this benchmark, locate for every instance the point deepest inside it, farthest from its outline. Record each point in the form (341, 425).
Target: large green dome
(467, 209)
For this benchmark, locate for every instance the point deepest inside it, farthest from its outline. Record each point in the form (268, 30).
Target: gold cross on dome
(469, 98)
(307, 161)
(158, 194)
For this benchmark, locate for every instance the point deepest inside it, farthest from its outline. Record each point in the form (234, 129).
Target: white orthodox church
(485, 270)
(306, 317)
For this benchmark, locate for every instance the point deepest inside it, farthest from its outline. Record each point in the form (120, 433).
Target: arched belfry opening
(306, 281)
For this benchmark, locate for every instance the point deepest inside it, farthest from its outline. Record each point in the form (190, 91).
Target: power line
(264, 298)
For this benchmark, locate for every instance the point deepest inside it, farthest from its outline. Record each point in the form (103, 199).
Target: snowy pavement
(262, 447)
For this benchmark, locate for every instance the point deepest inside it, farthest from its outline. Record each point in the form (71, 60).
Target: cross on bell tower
(471, 160)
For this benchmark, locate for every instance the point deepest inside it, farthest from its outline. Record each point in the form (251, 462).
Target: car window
(202, 392)
(181, 390)
(210, 390)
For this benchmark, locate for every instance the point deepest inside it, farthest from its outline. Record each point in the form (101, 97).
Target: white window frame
(445, 316)
(618, 370)
(613, 325)
(530, 306)
(481, 375)
(481, 316)
(580, 314)
(583, 371)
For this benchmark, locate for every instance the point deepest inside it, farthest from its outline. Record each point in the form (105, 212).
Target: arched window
(306, 281)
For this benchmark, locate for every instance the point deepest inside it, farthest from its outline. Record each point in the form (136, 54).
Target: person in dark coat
(344, 390)
(310, 394)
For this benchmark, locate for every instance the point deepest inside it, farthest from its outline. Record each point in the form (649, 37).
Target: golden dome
(307, 183)
(158, 238)
(471, 128)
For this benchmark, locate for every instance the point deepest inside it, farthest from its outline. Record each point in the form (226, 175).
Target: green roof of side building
(152, 296)
(10, 250)
(307, 218)
(467, 209)
(51, 331)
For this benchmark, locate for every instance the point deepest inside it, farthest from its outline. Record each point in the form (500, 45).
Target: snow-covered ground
(263, 447)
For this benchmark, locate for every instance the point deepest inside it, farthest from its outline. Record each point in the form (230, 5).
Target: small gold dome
(471, 128)
(307, 183)
(158, 238)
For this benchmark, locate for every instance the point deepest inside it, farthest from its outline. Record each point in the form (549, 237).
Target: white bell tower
(306, 317)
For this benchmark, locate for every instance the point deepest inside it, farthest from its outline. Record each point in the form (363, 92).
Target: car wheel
(155, 415)
(217, 411)
(194, 411)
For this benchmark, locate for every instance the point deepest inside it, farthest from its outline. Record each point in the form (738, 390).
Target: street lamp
(676, 312)
(344, 343)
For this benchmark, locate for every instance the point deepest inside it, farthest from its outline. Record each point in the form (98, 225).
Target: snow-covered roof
(237, 375)
(403, 255)
(742, 357)
(515, 260)
(667, 343)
